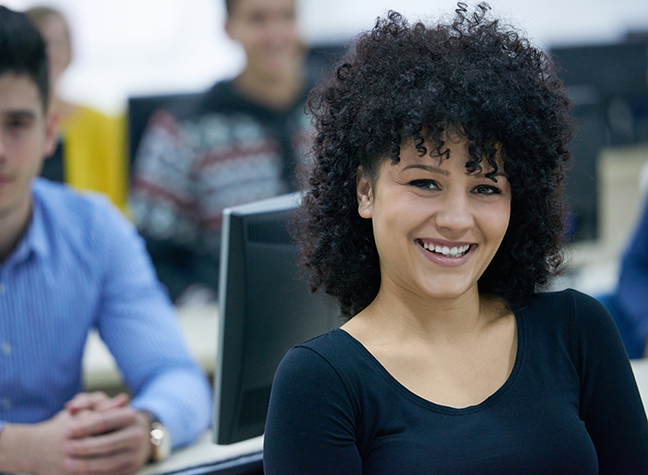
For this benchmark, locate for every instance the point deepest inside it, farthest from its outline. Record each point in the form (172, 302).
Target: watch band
(159, 437)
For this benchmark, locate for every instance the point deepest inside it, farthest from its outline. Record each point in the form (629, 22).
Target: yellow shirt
(94, 153)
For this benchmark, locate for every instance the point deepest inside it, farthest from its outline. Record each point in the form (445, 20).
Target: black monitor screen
(265, 309)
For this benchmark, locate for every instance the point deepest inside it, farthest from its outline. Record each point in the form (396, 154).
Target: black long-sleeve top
(570, 406)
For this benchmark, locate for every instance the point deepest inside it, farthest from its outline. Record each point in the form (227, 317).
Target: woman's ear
(364, 193)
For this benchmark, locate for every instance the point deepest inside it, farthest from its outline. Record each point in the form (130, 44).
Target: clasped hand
(94, 434)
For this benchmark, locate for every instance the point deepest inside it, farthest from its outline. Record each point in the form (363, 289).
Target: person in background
(628, 304)
(70, 263)
(241, 144)
(91, 151)
(433, 213)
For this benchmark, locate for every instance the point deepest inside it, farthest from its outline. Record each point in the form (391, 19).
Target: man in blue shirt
(69, 263)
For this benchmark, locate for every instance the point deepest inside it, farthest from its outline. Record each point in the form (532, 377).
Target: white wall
(130, 47)
(548, 21)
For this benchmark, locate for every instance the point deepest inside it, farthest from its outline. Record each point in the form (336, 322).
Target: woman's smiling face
(436, 226)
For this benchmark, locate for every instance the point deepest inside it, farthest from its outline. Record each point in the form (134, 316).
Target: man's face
(267, 30)
(27, 135)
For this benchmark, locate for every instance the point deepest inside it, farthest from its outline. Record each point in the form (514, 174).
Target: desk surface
(640, 368)
(204, 452)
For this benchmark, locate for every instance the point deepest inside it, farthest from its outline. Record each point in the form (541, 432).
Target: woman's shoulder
(331, 347)
(568, 309)
(314, 364)
(87, 118)
(332, 353)
(332, 339)
(560, 302)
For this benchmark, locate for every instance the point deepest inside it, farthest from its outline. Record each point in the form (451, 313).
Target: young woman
(433, 213)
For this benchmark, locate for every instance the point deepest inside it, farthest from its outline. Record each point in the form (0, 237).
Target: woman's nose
(455, 214)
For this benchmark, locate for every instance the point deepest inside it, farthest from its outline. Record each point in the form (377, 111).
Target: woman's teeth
(447, 251)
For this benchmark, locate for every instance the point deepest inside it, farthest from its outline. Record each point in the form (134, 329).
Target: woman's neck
(406, 317)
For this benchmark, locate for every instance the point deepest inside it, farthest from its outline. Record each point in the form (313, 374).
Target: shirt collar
(35, 238)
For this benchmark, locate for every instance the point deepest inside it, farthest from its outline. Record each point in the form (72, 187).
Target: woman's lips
(449, 255)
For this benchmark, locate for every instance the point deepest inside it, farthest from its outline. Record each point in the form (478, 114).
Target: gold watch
(159, 437)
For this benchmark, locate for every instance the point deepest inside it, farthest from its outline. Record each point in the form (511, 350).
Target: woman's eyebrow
(428, 168)
(494, 175)
(434, 169)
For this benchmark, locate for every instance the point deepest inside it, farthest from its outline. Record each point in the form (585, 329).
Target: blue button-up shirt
(80, 265)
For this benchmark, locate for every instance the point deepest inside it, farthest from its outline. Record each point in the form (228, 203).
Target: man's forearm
(15, 443)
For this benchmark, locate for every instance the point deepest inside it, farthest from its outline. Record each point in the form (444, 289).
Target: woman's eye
(425, 184)
(487, 190)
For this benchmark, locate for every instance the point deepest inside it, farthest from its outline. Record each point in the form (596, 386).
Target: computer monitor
(265, 309)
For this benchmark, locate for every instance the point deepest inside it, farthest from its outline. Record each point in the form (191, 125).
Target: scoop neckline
(490, 400)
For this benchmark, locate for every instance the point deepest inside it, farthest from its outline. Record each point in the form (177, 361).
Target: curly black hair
(402, 82)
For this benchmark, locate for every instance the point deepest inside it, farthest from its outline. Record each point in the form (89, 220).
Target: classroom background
(135, 47)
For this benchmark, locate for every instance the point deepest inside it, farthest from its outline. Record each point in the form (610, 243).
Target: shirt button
(6, 348)
(2, 288)
(6, 403)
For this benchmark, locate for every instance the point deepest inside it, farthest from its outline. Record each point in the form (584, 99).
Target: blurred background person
(91, 150)
(240, 144)
(628, 303)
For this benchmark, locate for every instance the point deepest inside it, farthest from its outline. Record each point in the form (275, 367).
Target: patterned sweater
(188, 169)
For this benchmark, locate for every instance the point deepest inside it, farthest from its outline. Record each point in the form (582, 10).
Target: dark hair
(473, 75)
(229, 4)
(22, 50)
